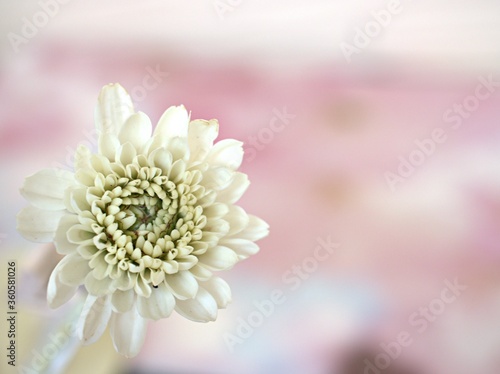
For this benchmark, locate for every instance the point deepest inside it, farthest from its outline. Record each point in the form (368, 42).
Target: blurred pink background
(318, 172)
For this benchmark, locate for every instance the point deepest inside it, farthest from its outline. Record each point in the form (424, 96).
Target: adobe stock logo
(372, 29)
(31, 27)
(454, 117)
(266, 134)
(420, 321)
(293, 278)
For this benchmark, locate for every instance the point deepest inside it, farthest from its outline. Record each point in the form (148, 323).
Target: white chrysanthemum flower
(143, 223)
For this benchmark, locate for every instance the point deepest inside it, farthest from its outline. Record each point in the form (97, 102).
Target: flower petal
(107, 146)
(128, 331)
(174, 122)
(94, 318)
(218, 178)
(218, 258)
(237, 219)
(201, 136)
(45, 189)
(73, 269)
(179, 148)
(203, 308)
(242, 247)
(219, 290)
(38, 225)
(123, 301)
(126, 153)
(98, 287)
(255, 230)
(58, 293)
(160, 304)
(201, 273)
(227, 153)
(162, 159)
(235, 190)
(63, 245)
(136, 130)
(114, 106)
(182, 284)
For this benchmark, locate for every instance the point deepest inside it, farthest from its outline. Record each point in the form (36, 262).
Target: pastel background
(322, 130)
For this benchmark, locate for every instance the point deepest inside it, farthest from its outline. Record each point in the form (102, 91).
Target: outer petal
(218, 258)
(107, 145)
(58, 293)
(255, 230)
(219, 290)
(94, 318)
(235, 190)
(128, 331)
(73, 269)
(203, 308)
(63, 245)
(174, 122)
(98, 287)
(242, 247)
(201, 136)
(237, 219)
(160, 304)
(136, 130)
(45, 189)
(114, 106)
(227, 153)
(123, 301)
(182, 284)
(38, 225)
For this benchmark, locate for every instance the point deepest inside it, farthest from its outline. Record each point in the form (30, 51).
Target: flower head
(144, 222)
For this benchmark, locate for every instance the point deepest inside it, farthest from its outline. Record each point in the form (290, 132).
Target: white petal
(94, 318)
(200, 272)
(82, 158)
(159, 305)
(141, 287)
(216, 211)
(182, 284)
(235, 190)
(227, 153)
(237, 219)
(242, 247)
(63, 245)
(75, 199)
(218, 178)
(79, 234)
(162, 159)
(100, 164)
(114, 106)
(203, 308)
(201, 136)
(136, 130)
(179, 148)
(177, 171)
(218, 258)
(73, 269)
(108, 145)
(174, 122)
(38, 225)
(128, 331)
(45, 189)
(219, 290)
(255, 230)
(98, 287)
(58, 293)
(123, 300)
(126, 153)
